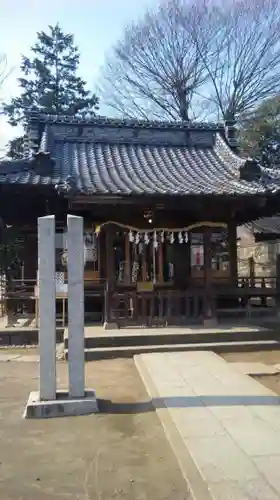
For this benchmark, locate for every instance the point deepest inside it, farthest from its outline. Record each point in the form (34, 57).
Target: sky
(96, 25)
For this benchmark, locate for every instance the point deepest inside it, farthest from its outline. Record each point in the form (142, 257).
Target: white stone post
(75, 251)
(47, 300)
(49, 402)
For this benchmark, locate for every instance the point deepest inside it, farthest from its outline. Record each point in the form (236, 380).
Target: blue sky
(96, 24)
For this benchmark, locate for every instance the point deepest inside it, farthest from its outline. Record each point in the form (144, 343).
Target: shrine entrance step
(100, 343)
(99, 353)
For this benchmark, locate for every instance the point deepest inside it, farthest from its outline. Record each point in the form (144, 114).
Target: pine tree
(50, 83)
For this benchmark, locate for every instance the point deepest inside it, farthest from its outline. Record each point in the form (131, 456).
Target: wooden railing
(173, 307)
(19, 298)
(268, 282)
(160, 306)
(18, 295)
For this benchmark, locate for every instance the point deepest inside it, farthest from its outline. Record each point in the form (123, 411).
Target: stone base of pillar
(110, 325)
(62, 406)
(210, 322)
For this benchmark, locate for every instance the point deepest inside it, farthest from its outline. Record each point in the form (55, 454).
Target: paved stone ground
(220, 422)
(120, 454)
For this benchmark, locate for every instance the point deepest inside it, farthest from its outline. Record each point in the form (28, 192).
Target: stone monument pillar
(76, 306)
(46, 284)
(48, 401)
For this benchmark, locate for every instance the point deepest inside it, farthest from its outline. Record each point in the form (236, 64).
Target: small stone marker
(48, 401)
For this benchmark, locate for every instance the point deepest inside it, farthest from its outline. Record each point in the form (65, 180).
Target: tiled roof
(103, 156)
(265, 225)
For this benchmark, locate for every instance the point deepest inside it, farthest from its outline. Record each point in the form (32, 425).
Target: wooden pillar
(29, 254)
(127, 275)
(97, 243)
(144, 263)
(209, 312)
(232, 249)
(109, 322)
(233, 259)
(160, 262)
(251, 266)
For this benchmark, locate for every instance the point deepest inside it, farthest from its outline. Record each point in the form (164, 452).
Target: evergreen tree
(260, 133)
(50, 83)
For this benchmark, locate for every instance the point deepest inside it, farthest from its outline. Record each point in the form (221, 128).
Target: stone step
(17, 336)
(173, 336)
(218, 347)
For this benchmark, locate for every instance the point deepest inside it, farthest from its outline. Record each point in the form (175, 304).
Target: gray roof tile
(127, 157)
(265, 225)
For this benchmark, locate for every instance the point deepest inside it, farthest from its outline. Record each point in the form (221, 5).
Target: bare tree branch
(3, 69)
(217, 58)
(155, 69)
(4, 73)
(243, 62)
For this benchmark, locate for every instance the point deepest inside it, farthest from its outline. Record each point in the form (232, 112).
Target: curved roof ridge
(90, 119)
(229, 151)
(265, 225)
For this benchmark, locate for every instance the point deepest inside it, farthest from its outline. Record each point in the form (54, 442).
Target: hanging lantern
(162, 236)
(137, 238)
(146, 238)
(180, 237)
(90, 247)
(172, 239)
(155, 240)
(131, 236)
(186, 237)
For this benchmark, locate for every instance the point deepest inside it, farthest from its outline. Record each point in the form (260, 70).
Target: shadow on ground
(109, 406)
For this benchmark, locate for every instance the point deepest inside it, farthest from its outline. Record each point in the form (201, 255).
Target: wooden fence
(160, 306)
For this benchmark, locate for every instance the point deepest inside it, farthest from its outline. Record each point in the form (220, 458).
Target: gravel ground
(120, 453)
(268, 357)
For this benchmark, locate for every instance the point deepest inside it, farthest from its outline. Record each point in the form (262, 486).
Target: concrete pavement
(224, 426)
